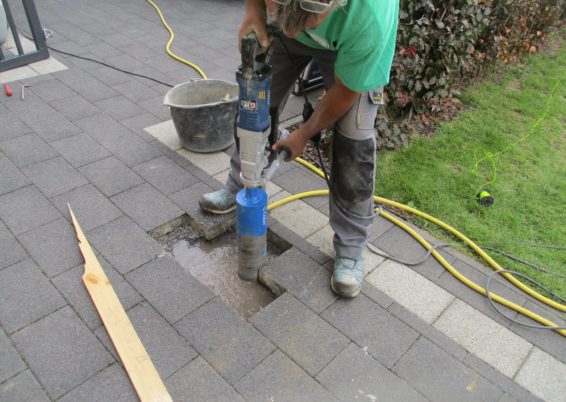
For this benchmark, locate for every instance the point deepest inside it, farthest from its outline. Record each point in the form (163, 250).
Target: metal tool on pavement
(253, 129)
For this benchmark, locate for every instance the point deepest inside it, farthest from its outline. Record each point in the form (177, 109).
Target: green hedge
(444, 44)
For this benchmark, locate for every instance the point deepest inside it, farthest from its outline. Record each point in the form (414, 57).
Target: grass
(528, 218)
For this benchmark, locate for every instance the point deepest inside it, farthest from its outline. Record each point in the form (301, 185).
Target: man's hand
(254, 21)
(295, 141)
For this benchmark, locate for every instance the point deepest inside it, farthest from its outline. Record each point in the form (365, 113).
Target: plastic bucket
(204, 112)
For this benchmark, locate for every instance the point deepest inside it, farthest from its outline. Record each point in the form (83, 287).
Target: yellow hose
(171, 37)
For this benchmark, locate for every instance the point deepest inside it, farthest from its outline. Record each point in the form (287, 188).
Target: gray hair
(292, 17)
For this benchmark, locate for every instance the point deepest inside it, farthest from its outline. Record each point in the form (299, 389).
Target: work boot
(218, 202)
(347, 277)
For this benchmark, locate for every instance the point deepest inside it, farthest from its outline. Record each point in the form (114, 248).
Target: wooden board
(142, 373)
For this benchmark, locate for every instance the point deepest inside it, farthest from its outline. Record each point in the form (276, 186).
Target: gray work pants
(353, 148)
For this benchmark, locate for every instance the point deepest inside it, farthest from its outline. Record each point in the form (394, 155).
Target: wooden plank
(144, 376)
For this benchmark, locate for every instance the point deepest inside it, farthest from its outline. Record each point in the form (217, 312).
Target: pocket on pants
(368, 105)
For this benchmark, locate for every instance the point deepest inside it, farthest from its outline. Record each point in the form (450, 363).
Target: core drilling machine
(253, 127)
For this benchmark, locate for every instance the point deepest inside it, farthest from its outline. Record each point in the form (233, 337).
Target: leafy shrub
(443, 44)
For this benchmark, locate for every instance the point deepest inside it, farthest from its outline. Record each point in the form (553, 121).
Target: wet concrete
(215, 264)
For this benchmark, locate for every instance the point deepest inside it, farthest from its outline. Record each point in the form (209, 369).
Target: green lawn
(528, 218)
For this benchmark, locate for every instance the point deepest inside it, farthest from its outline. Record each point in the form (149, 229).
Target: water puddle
(215, 264)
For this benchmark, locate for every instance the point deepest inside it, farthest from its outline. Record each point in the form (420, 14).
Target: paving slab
(440, 377)
(27, 150)
(26, 296)
(231, 356)
(277, 378)
(11, 178)
(11, 251)
(544, 376)
(74, 107)
(124, 244)
(302, 277)
(11, 362)
(80, 150)
(212, 163)
(371, 328)
(170, 290)
(54, 176)
(199, 382)
(411, 290)
(54, 247)
(355, 375)
(22, 388)
(300, 218)
(11, 126)
(119, 107)
(109, 385)
(297, 331)
(147, 206)
(61, 351)
(484, 337)
(165, 175)
(111, 176)
(91, 208)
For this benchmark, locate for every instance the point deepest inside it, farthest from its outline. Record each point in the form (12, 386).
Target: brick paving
(102, 141)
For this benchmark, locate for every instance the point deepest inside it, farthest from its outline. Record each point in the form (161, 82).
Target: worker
(354, 42)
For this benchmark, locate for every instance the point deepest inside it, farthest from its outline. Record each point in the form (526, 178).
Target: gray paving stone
(231, 345)
(75, 107)
(373, 293)
(26, 209)
(428, 331)
(80, 150)
(354, 374)
(147, 207)
(22, 388)
(111, 176)
(11, 251)
(277, 378)
(197, 381)
(91, 207)
(167, 349)
(27, 150)
(130, 149)
(11, 178)
(170, 290)
(440, 377)
(209, 226)
(10, 361)
(156, 107)
(165, 175)
(124, 244)
(135, 91)
(103, 50)
(125, 62)
(304, 278)
(371, 328)
(71, 286)
(11, 126)
(53, 246)
(303, 336)
(61, 351)
(51, 90)
(379, 226)
(25, 296)
(110, 385)
(93, 90)
(300, 180)
(52, 126)
(139, 122)
(119, 107)
(297, 241)
(110, 76)
(54, 176)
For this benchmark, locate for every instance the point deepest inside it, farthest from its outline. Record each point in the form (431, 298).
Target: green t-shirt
(363, 32)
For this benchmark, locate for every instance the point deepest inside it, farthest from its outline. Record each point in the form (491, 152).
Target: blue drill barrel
(251, 224)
